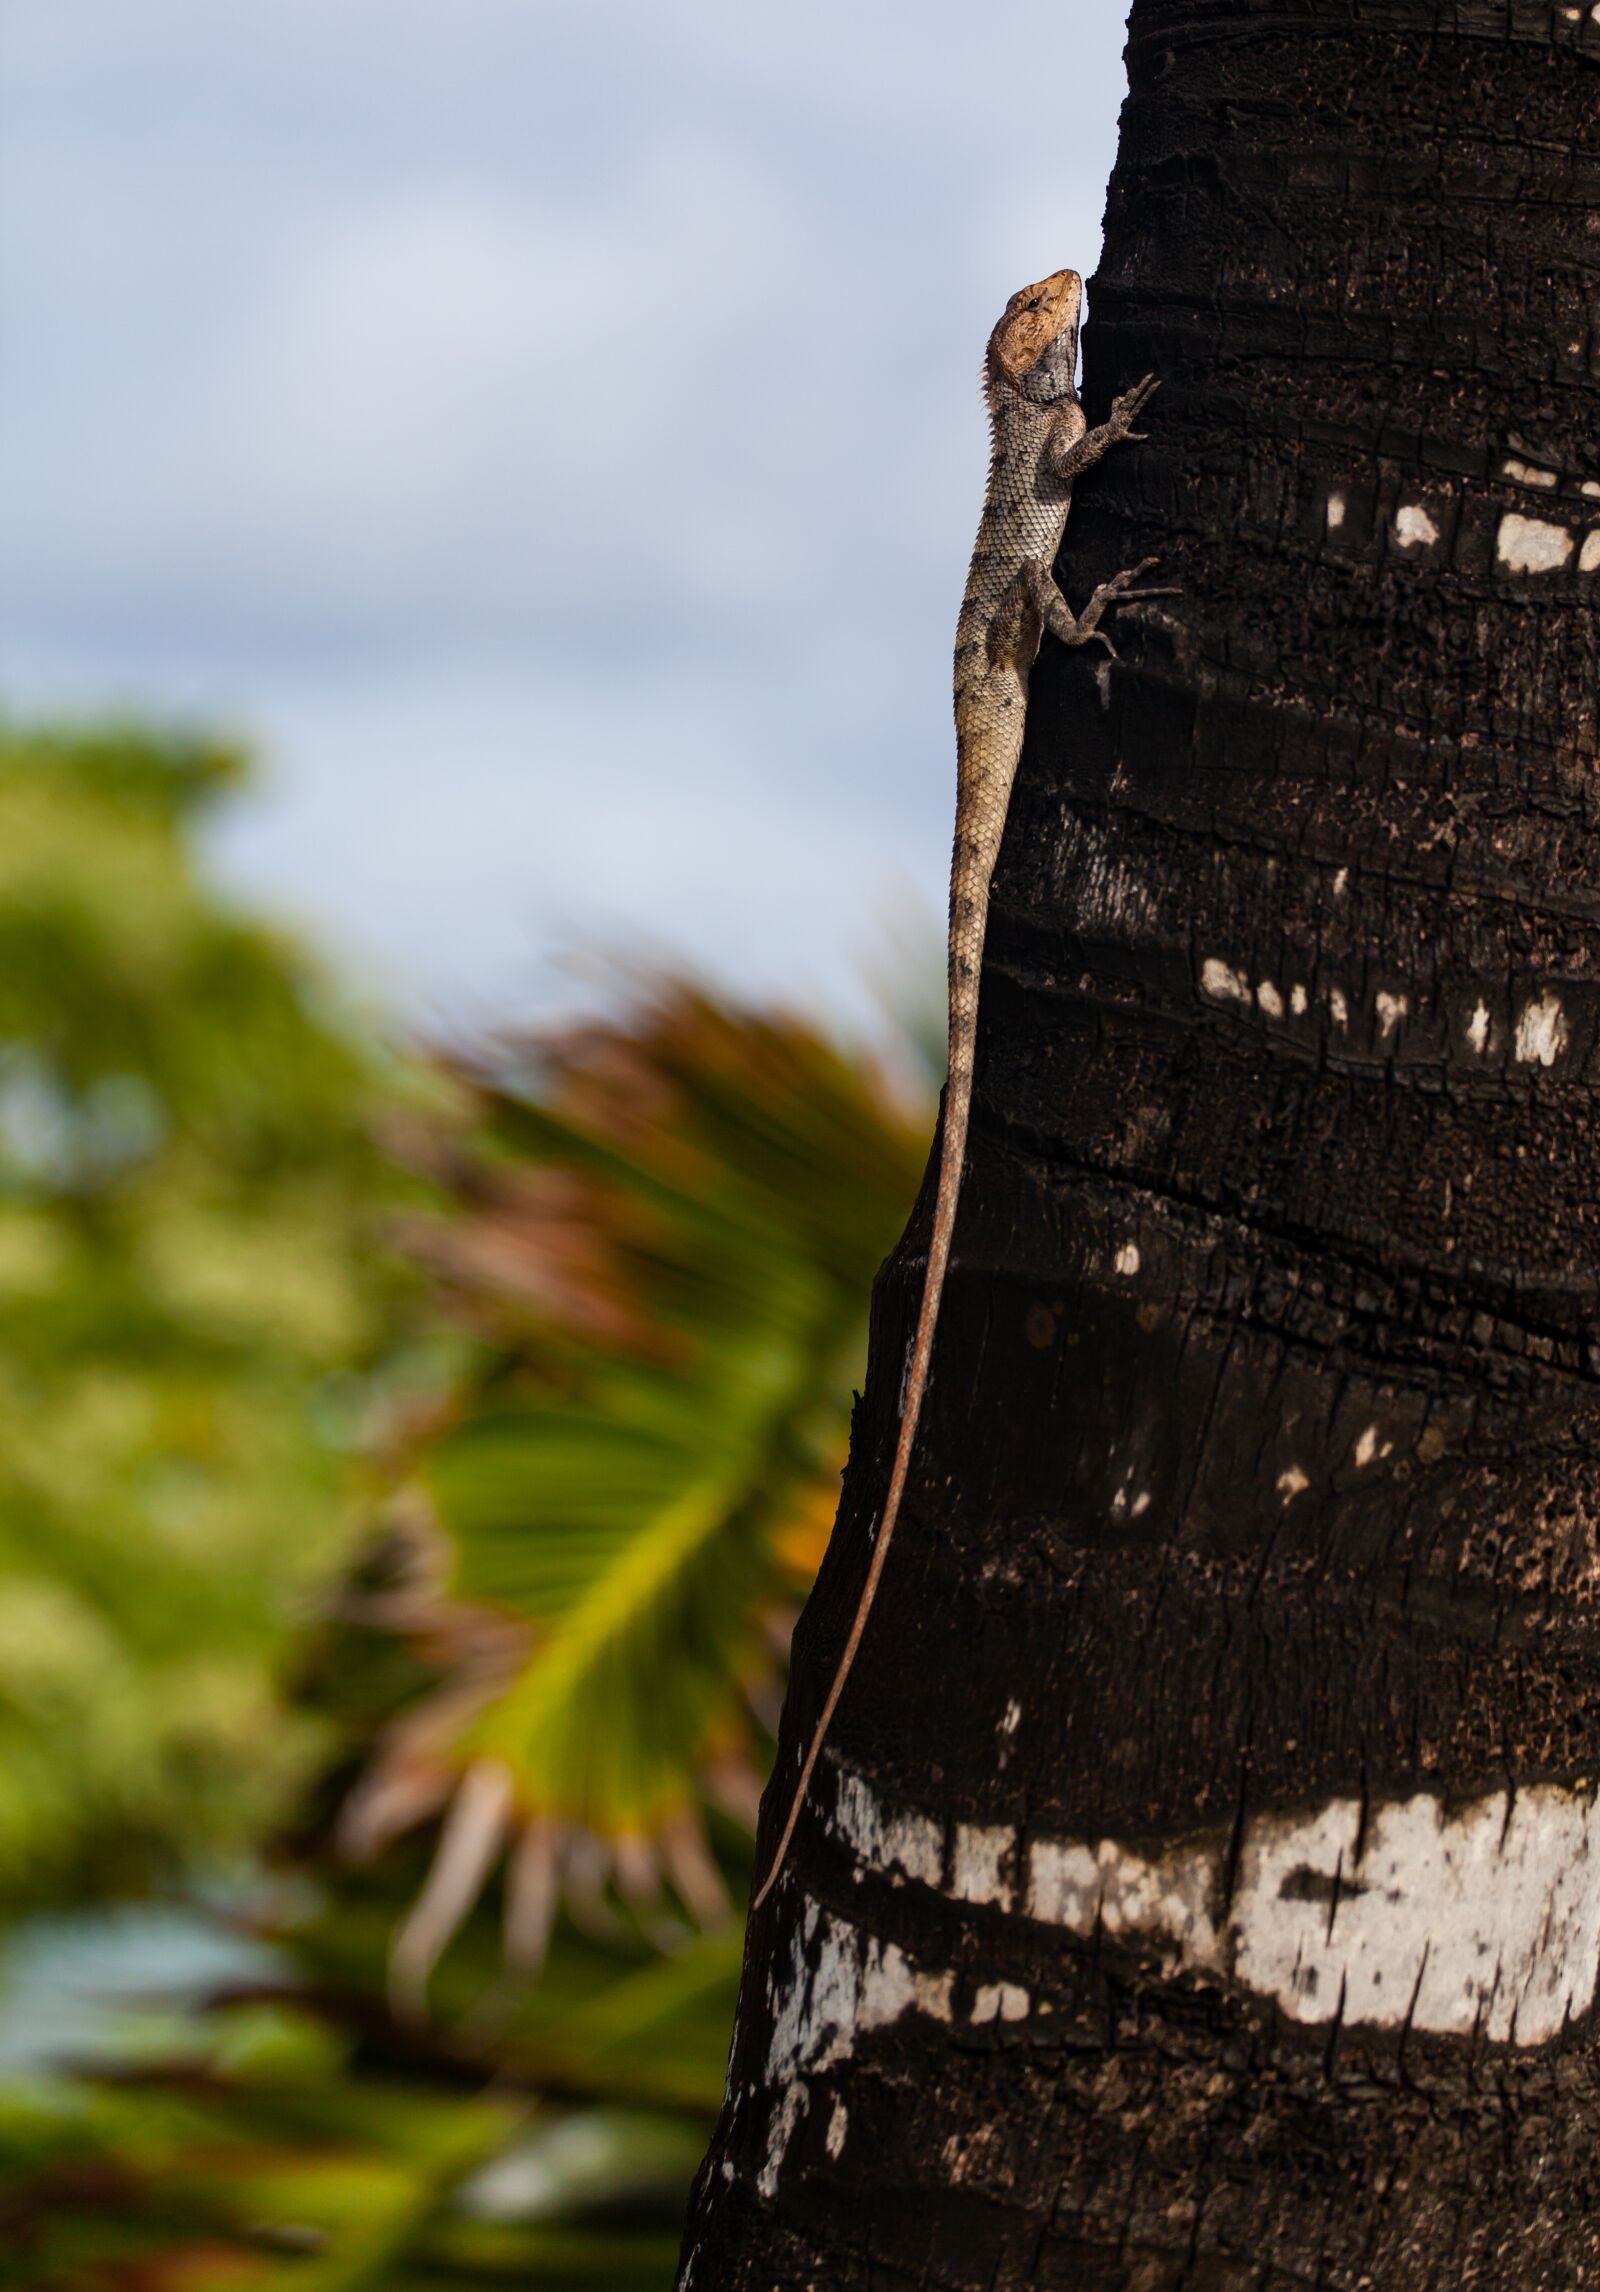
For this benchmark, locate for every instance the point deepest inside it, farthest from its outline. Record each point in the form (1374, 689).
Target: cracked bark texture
(1254, 1519)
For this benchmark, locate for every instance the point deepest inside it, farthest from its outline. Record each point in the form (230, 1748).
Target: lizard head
(1034, 349)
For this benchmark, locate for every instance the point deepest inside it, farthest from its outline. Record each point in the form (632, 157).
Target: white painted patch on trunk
(1525, 474)
(1589, 561)
(1367, 1447)
(1335, 511)
(1340, 881)
(1338, 1008)
(838, 2127)
(1128, 1258)
(1542, 1031)
(1107, 894)
(1413, 527)
(1590, 486)
(1011, 1719)
(1000, 2001)
(1222, 983)
(1478, 1029)
(1485, 1915)
(1299, 1002)
(842, 1984)
(1291, 1483)
(1533, 544)
(1488, 1916)
(1270, 1000)
(977, 1864)
(910, 1843)
(1391, 1010)
(792, 2106)
(1171, 1901)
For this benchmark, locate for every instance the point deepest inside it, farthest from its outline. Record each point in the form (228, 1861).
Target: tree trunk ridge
(1204, 1885)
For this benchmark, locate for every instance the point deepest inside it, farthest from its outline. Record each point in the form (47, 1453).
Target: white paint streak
(1542, 1031)
(791, 2108)
(1128, 1258)
(1335, 511)
(838, 2126)
(1478, 1029)
(1533, 544)
(842, 1984)
(1013, 1715)
(1340, 881)
(1222, 983)
(1290, 1483)
(978, 1864)
(911, 1843)
(1414, 528)
(1589, 560)
(1590, 486)
(1270, 1000)
(1170, 1902)
(1526, 474)
(1488, 1914)
(1000, 2001)
(1107, 894)
(1338, 1007)
(1140, 1505)
(1391, 1009)
(1367, 1447)
(1299, 1002)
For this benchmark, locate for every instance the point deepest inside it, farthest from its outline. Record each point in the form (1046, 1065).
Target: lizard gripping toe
(1126, 409)
(1117, 592)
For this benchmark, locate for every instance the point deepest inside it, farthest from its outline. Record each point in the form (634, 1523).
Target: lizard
(1041, 443)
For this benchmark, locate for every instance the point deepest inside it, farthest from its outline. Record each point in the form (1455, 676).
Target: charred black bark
(1206, 1889)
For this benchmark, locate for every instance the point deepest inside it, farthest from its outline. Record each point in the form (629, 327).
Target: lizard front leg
(1071, 451)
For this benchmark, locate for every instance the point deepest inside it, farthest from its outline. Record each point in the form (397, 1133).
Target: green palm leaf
(722, 1186)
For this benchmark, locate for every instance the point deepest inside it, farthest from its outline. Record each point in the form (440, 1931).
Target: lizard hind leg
(1084, 628)
(1021, 617)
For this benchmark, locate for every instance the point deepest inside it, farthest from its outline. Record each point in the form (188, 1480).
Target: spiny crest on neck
(1033, 352)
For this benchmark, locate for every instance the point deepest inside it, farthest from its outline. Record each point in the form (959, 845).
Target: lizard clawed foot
(1119, 590)
(1126, 408)
(1111, 596)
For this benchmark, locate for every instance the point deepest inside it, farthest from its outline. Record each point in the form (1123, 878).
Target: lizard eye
(1032, 303)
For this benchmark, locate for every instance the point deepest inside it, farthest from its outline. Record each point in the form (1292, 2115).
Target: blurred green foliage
(659, 1237)
(503, 1929)
(187, 1298)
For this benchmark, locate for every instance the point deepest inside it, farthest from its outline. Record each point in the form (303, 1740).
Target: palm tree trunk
(1203, 1886)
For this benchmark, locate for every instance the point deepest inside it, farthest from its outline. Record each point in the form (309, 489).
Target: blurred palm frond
(660, 1236)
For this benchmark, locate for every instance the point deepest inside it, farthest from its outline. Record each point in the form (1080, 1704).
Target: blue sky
(551, 431)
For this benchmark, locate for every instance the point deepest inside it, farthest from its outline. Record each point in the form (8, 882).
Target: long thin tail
(966, 952)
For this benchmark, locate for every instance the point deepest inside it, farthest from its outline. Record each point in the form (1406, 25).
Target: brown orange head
(1034, 349)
